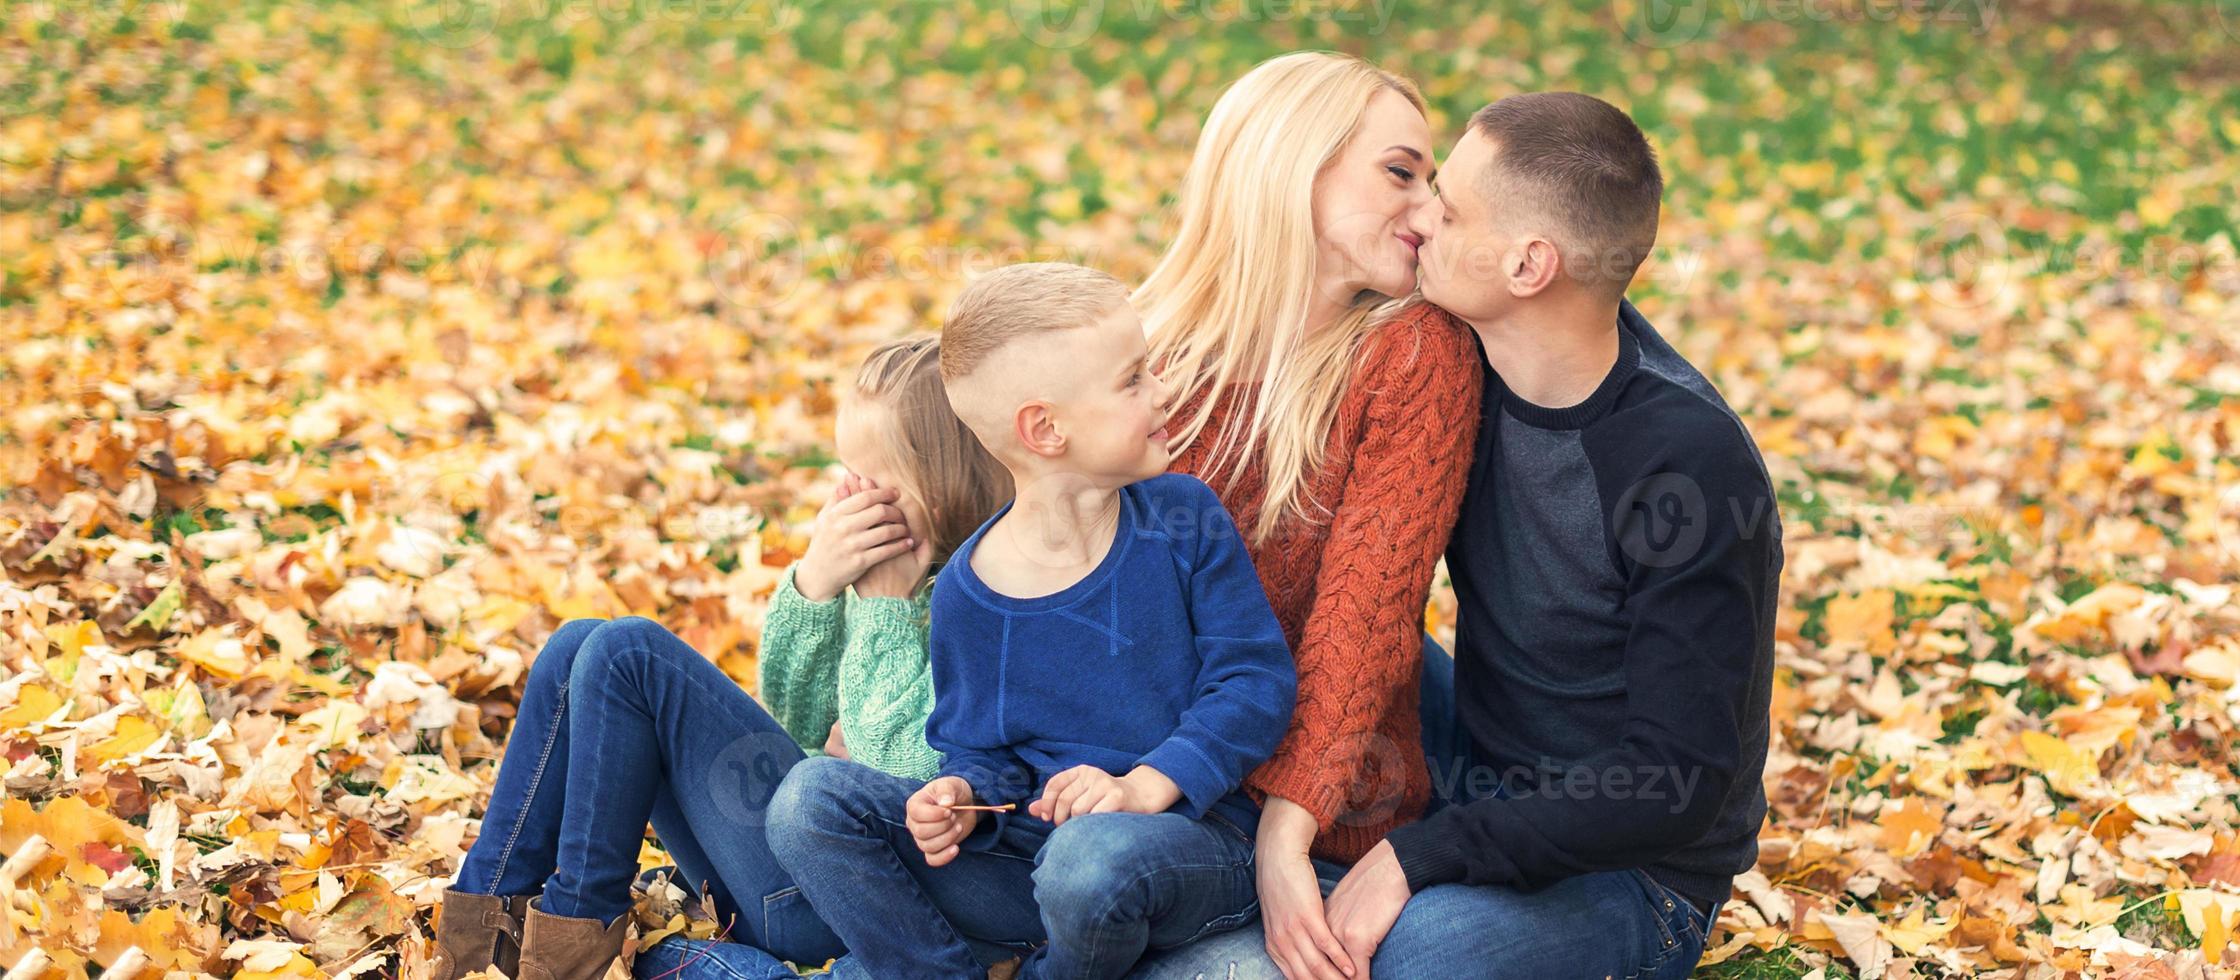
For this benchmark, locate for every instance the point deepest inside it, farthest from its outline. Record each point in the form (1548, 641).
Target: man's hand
(1088, 789)
(935, 827)
(1368, 901)
(1296, 933)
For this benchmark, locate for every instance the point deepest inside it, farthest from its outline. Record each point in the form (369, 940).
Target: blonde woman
(1335, 418)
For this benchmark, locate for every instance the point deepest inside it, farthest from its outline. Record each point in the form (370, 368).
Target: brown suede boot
(555, 947)
(478, 932)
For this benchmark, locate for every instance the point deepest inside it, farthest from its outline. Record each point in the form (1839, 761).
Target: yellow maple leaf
(2070, 770)
(34, 703)
(1909, 828)
(1863, 621)
(218, 651)
(133, 734)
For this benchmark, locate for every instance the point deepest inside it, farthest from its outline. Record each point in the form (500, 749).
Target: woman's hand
(858, 528)
(1298, 934)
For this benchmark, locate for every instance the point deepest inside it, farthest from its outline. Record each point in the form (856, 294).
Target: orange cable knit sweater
(1350, 588)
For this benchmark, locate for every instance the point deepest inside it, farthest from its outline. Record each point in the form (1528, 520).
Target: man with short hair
(1617, 564)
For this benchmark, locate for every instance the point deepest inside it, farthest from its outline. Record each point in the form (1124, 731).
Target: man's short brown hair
(1018, 301)
(1581, 163)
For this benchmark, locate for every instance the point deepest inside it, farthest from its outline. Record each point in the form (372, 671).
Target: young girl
(622, 723)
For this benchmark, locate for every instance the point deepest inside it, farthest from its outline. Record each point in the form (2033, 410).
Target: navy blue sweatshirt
(1167, 655)
(1616, 565)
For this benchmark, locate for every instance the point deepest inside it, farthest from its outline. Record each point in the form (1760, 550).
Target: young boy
(1106, 670)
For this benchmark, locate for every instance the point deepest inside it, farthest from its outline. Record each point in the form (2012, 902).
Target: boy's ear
(1036, 427)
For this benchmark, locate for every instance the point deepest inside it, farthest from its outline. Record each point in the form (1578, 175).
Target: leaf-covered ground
(346, 351)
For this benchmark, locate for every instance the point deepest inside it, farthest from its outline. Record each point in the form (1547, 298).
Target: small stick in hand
(1005, 808)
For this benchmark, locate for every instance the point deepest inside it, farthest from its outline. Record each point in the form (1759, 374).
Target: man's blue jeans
(1082, 900)
(1614, 923)
(621, 723)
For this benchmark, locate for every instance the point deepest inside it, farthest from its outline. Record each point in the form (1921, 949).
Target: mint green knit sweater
(858, 659)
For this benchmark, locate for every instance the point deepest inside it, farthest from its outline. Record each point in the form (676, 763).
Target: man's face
(1463, 265)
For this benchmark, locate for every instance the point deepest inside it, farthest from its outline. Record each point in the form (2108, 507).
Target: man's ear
(1036, 426)
(1533, 267)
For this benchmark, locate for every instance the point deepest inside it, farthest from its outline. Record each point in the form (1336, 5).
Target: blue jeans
(1082, 900)
(621, 724)
(1612, 923)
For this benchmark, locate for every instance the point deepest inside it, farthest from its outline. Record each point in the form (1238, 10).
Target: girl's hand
(859, 527)
(834, 745)
(1298, 933)
(899, 576)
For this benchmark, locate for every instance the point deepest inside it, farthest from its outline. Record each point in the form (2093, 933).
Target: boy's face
(1110, 407)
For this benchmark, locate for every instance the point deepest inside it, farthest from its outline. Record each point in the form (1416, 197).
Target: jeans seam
(1651, 889)
(866, 818)
(536, 779)
(1233, 920)
(1104, 914)
(689, 954)
(769, 933)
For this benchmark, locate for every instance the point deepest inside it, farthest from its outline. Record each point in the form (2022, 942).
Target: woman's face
(1363, 200)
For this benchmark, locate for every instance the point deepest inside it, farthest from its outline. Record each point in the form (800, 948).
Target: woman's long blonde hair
(941, 462)
(1227, 303)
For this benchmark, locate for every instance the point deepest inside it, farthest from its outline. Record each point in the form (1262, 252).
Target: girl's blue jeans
(622, 724)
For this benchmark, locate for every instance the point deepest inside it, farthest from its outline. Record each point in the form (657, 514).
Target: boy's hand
(1088, 789)
(935, 827)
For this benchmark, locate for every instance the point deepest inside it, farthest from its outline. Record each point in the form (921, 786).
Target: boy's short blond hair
(1020, 301)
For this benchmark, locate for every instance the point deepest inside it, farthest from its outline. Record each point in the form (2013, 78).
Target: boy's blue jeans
(1081, 900)
(1612, 923)
(621, 723)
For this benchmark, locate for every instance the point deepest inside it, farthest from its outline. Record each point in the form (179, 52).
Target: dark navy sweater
(1167, 655)
(1616, 567)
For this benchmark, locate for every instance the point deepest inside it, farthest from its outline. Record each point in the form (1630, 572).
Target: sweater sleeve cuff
(1428, 855)
(1299, 785)
(883, 612)
(1199, 780)
(790, 596)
